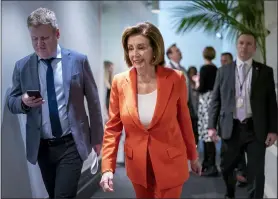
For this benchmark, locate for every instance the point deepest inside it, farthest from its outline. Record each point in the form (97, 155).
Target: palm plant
(229, 17)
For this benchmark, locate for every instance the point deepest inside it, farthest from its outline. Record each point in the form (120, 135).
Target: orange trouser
(152, 191)
(142, 192)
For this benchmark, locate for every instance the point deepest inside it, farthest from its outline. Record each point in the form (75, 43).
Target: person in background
(244, 101)
(192, 71)
(59, 134)
(149, 102)
(206, 81)
(175, 56)
(108, 76)
(227, 59)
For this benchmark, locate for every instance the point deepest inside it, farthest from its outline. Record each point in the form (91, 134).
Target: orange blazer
(169, 137)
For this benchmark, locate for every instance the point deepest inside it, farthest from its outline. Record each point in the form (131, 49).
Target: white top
(60, 96)
(146, 106)
(246, 85)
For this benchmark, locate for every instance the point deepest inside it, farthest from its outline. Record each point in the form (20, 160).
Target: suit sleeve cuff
(108, 170)
(24, 107)
(194, 156)
(107, 166)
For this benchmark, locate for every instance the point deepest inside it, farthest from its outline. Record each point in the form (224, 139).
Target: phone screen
(34, 93)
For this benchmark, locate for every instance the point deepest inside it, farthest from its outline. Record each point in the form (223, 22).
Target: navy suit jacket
(78, 83)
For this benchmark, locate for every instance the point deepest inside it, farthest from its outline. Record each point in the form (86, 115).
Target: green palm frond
(212, 16)
(192, 14)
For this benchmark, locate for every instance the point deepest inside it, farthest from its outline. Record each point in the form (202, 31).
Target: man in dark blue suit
(59, 134)
(175, 56)
(227, 59)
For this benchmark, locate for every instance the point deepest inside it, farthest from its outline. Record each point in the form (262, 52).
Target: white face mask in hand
(94, 166)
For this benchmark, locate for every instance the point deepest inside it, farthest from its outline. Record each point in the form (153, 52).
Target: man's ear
(58, 34)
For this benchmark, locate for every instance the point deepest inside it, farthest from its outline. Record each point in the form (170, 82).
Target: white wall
(229, 46)
(0, 92)
(80, 30)
(116, 16)
(271, 40)
(1, 70)
(192, 43)
(271, 60)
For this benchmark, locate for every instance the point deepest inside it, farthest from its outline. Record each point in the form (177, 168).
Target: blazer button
(39, 128)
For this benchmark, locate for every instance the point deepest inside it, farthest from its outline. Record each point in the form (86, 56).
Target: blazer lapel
(130, 93)
(67, 70)
(172, 65)
(164, 88)
(255, 73)
(34, 72)
(232, 76)
(232, 81)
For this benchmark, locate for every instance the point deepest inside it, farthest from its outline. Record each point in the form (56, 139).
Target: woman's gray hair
(42, 16)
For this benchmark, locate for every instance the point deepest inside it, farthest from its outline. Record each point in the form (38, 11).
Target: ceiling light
(155, 7)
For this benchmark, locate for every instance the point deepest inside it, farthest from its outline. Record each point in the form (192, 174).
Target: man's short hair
(247, 33)
(169, 49)
(228, 54)
(42, 16)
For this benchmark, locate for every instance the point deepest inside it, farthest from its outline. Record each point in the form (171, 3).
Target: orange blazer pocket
(174, 152)
(129, 152)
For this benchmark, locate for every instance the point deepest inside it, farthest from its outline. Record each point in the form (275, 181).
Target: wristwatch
(24, 106)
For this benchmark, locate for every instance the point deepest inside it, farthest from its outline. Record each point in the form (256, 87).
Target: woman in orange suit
(149, 101)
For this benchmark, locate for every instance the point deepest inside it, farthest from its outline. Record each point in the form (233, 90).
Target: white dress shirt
(246, 85)
(60, 96)
(176, 65)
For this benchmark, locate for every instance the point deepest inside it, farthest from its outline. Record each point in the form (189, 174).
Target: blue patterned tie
(52, 100)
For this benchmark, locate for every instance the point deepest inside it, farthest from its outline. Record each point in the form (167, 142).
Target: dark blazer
(262, 100)
(193, 112)
(78, 83)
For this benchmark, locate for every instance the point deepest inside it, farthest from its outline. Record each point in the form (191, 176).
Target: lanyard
(245, 77)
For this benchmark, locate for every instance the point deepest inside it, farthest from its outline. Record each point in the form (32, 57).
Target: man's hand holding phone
(31, 101)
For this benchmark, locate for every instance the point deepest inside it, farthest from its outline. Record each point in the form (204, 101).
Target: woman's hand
(196, 167)
(106, 182)
(196, 79)
(213, 135)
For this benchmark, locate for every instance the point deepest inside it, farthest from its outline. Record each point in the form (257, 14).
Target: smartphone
(34, 93)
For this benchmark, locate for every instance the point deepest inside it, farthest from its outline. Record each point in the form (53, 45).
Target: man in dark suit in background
(59, 134)
(227, 58)
(174, 55)
(244, 98)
